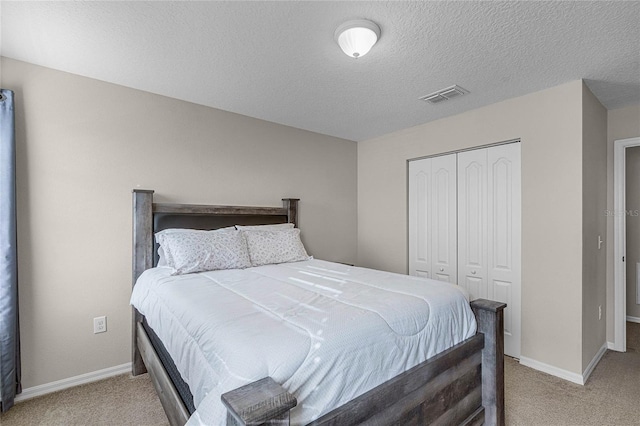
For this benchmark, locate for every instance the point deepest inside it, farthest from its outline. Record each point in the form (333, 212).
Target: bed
(460, 382)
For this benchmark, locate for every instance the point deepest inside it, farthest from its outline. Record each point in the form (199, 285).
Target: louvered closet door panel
(444, 220)
(472, 222)
(420, 218)
(504, 238)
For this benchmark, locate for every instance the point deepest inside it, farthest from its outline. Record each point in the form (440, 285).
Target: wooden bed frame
(462, 385)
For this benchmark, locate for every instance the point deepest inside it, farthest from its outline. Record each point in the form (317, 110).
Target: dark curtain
(9, 329)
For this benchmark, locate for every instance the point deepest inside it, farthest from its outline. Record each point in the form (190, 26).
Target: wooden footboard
(490, 319)
(463, 385)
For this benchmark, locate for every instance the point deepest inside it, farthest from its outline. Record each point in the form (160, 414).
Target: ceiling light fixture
(357, 37)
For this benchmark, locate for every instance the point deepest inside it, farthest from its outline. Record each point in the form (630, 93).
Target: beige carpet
(610, 397)
(121, 400)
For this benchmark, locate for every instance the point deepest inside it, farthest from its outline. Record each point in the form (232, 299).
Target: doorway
(620, 241)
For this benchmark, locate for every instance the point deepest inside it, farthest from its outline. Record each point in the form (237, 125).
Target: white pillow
(172, 230)
(279, 246)
(273, 227)
(197, 251)
(162, 260)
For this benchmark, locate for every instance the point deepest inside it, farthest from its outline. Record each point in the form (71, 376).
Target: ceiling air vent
(444, 94)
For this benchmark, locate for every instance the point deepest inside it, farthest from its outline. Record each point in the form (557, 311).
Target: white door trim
(619, 242)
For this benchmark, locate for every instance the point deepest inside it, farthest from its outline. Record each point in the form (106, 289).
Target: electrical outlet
(99, 325)
(600, 312)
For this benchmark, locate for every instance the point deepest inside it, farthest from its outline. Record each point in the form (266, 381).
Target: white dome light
(356, 38)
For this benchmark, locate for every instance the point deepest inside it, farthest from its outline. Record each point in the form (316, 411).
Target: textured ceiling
(278, 61)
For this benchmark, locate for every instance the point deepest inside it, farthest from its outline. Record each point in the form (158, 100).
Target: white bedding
(327, 332)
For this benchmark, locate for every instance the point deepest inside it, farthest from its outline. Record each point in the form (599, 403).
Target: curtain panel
(9, 327)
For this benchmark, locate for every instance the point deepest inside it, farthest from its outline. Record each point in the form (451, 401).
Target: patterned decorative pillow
(196, 251)
(279, 246)
(162, 261)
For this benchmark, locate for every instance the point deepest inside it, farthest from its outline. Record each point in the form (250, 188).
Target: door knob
(441, 269)
(473, 272)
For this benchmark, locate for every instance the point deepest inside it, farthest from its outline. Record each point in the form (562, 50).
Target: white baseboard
(633, 319)
(580, 379)
(59, 385)
(611, 346)
(550, 369)
(596, 359)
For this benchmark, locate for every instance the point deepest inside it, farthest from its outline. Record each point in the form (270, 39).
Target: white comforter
(327, 332)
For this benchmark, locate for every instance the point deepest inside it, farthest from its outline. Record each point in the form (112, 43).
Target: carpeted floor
(610, 397)
(122, 400)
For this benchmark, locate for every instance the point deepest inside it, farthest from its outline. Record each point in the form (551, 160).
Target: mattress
(326, 332)
(170, 367)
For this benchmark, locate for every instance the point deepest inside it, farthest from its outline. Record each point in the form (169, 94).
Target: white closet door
(464, 226)
(489, 231)
(432, 218)
(444, 221)
(420, 218)
(472, 222)
(504, 238)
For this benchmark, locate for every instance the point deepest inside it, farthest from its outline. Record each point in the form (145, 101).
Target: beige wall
(549, 124)
(622, 123)
(594, 201)
(84, 144)
(633, 228)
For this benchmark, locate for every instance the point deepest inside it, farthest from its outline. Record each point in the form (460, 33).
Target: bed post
(490, 318)
(263, 402)
(291, 204)
(142, 260)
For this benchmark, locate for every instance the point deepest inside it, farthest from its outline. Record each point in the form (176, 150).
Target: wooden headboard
(150, 217)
